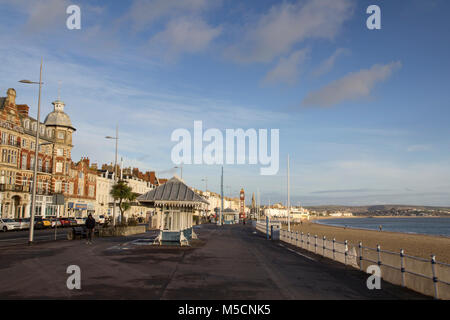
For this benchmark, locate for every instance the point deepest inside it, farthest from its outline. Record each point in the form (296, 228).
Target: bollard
(379, 254)
(315, 243)
(323, 243)
(402, 266)
(345, 252)
(334, 251)
(360, 256)
(435, 279)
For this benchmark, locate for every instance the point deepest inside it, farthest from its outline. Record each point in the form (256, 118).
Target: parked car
(9, 224)
(80, 221)
(64, 222)
(101, 219)
(24, 223)
(56, 222)
(39, 223)
(47, 223)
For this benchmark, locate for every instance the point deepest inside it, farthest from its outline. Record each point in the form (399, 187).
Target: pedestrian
(381, 228)
(90, 226)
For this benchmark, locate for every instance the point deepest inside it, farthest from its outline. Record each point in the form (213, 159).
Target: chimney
(23, 109)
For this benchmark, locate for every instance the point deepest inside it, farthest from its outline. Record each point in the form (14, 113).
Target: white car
(101, 219)
(80, 221)
(9, 224)
(24, 223)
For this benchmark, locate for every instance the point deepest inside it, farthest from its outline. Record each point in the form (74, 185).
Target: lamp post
(206, 184)
(181, 170)
(115, 167)
(36, 154)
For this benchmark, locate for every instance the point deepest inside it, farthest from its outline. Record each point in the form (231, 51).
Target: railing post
(360, 256)
(334, 250)
(345, 251)
(301, 238)
(323, 244)
(307, 243)
(315, 243)
(379, 254)
(296, 238)
(435, 279)
(402, 266)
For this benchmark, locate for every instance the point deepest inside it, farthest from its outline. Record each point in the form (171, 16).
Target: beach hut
(174, 203)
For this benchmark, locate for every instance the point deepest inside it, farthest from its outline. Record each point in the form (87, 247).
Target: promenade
(229, 263)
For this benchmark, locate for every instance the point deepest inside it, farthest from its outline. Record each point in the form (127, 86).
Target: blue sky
(363, 113)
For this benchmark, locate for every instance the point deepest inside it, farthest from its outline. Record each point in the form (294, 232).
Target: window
(91, 191)
(71, 188)
(60, 134)
(40, 165)
(4, 138)
(47, 169)
(59, 167)
(80, 190)
(24, 143)
(80, 175)
(32, 163)
(27, 124)
(59, 152)
(34, 126)
(58, 186)
(24, 162)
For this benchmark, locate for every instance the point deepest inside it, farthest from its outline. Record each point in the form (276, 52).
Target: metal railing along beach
(427, 276)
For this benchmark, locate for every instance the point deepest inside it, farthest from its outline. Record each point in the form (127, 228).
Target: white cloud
(287, 24)
(328, 64)
(354, 86)
(287, 69)
(184, 35)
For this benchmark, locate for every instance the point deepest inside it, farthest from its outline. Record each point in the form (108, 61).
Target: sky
(363, 114)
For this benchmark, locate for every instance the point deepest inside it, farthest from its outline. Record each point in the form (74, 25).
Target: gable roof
(173, 190)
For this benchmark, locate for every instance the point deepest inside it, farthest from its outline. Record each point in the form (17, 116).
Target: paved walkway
(228, 263)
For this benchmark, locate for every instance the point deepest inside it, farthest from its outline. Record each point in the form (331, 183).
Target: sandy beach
(413, 244)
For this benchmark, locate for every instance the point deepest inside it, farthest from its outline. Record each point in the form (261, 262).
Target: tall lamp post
(181, 170)
(206, 184)
(36, 155)
(115, 168)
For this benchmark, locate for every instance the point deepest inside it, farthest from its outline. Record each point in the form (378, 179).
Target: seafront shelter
(174, 203)
(230, 216)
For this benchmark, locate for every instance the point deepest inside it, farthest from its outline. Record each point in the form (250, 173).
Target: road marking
(298, 253)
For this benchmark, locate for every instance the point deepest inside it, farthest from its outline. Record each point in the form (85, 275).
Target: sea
(438, 226)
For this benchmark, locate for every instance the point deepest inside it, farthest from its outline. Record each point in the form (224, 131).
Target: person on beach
(90, 226)
(381, 227)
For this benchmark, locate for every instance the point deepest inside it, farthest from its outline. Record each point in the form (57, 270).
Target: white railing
(426, 276)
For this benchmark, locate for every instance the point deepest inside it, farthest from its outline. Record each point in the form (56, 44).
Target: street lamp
(36, 154)
(181, 170)
(115, 166)
(206, 184)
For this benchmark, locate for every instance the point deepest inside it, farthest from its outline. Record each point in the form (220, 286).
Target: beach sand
(413, 244)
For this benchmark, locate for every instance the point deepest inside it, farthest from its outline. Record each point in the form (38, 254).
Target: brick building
(56, 171)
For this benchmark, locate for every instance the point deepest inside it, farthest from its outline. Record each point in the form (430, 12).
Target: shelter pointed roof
(174, 190)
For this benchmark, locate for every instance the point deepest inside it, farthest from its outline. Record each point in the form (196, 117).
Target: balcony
(14, 187)
(10, 143)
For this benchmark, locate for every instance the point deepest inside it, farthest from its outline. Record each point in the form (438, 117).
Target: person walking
(90, 226)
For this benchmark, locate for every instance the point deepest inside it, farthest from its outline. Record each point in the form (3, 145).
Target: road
(231, 262)
(20, 237)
